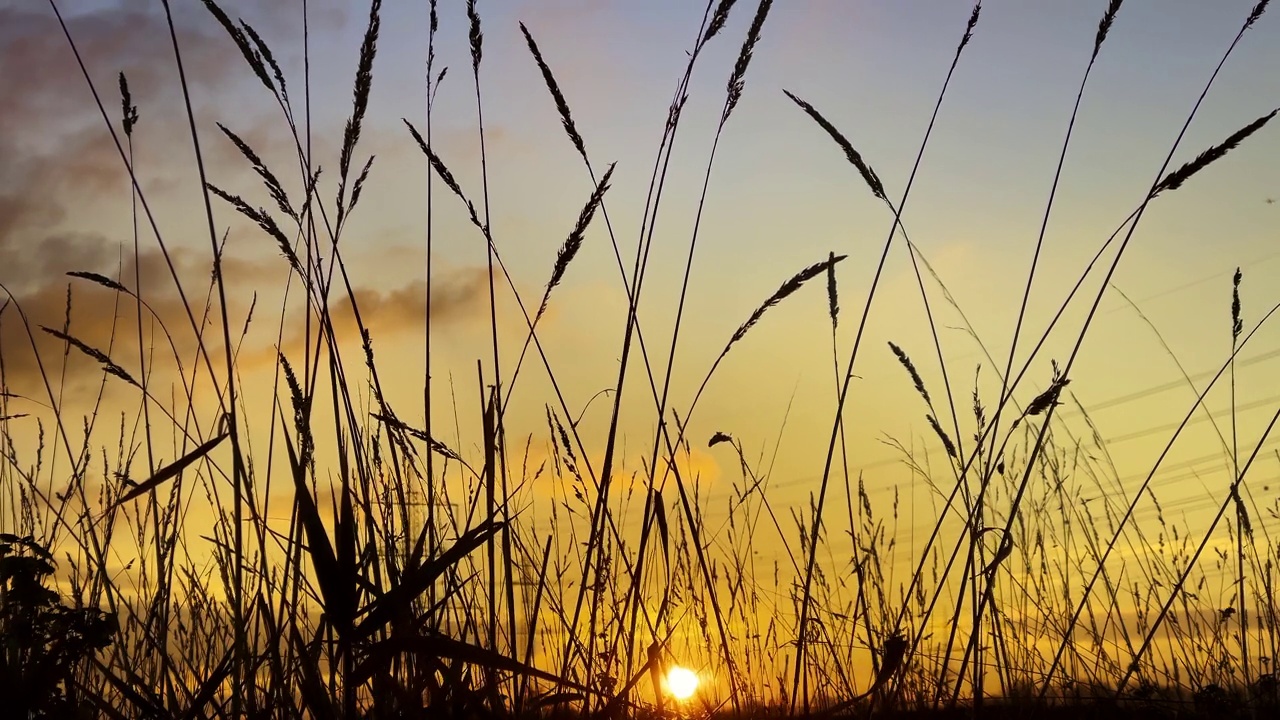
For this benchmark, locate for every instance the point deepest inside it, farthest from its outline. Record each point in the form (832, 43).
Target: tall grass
(317, 588)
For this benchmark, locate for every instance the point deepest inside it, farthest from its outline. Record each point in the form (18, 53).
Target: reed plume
(562, 106)
(852, 155)
(1176, 178)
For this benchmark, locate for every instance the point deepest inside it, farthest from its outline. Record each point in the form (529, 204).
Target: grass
(344, 600)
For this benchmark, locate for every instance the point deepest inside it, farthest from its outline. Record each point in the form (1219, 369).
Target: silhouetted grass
(316, 589)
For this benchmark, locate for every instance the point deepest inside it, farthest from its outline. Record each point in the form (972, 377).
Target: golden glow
(682, 683)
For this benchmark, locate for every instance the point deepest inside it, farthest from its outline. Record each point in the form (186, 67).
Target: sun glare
(682, 683)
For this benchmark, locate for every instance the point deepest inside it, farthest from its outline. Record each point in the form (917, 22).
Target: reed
(181, 547)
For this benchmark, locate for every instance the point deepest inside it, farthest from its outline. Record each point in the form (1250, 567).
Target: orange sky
(781, 197)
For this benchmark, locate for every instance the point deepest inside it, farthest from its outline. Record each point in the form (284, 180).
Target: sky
(781, 197)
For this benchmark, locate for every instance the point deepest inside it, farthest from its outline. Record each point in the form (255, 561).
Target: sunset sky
(781, 197)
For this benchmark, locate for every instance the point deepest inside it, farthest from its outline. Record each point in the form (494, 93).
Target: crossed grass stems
(381, 610)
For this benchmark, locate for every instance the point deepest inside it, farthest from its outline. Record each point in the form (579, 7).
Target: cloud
(64, 188)
(457, 297)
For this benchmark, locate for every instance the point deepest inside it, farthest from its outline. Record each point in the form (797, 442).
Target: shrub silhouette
(41, 640)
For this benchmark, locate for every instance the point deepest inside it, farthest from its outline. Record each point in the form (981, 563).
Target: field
(222, 494)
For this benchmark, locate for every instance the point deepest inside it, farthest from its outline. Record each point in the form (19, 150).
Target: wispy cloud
(64, 189)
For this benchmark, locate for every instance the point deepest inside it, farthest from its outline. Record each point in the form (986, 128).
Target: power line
(1264, 402)
(1171, 385)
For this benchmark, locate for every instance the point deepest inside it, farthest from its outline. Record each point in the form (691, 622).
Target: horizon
(780, 198)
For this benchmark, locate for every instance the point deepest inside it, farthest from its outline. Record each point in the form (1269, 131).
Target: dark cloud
(458, 296)
(60, 165)
(64, 190)
(63, 186)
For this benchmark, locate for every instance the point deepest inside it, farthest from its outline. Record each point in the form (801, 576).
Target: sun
(682, 683)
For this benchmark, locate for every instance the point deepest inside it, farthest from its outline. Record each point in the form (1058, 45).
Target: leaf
(396, 600)
(660, 517)
(209, 688)
(318, 546)
(441, 646)
(172, 470)
(556, 698)
(313, 691)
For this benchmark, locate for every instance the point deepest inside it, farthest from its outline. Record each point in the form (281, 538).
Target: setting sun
(847, 357)
(682, 683)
